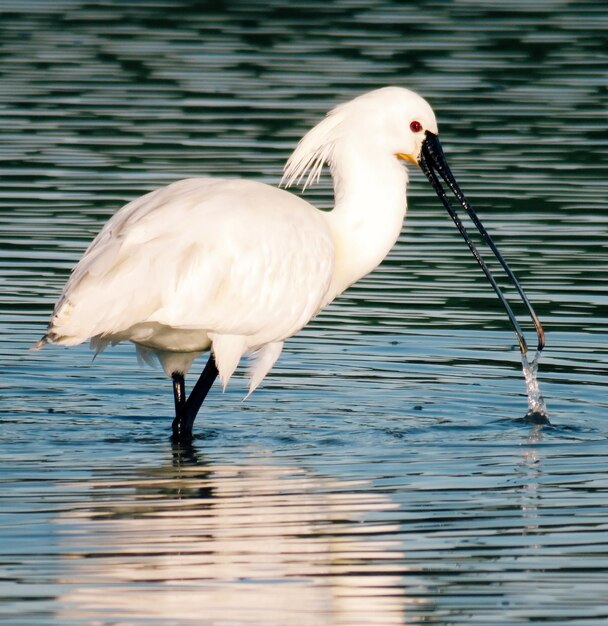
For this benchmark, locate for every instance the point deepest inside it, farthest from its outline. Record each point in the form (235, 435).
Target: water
(537, 409)
(383, 474)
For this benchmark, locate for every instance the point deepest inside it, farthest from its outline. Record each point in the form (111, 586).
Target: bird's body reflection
(254, 543)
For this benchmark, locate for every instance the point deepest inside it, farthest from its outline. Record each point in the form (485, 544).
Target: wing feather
(228, 257)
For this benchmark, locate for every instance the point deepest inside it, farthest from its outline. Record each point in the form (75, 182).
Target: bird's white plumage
(239, 266)
(207, 272)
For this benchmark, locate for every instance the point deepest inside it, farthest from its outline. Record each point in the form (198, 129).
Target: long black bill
(433, 163)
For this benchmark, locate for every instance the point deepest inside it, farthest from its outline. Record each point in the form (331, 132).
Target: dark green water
(382, 474)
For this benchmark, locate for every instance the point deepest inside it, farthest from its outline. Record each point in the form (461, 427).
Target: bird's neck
(370, 205)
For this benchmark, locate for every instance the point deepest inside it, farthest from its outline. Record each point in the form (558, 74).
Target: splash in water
(537, 410)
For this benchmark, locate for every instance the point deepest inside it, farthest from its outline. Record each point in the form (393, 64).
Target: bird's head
(393, 121)
(387, 122)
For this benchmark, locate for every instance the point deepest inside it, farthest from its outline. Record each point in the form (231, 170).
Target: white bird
(235, 267)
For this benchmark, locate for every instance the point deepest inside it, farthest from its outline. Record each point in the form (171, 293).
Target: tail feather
(40, 343)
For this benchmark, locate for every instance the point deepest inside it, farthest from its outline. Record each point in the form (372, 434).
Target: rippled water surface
(382, 474)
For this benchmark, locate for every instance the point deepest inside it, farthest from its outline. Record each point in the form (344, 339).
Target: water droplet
(537, 409)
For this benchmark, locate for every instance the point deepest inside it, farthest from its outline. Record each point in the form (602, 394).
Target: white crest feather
(314, 150)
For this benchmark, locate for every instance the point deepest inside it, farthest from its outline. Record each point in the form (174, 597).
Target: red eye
(415, 126)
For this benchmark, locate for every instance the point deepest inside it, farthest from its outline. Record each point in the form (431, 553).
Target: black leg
(179, 391)
(184, 418)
